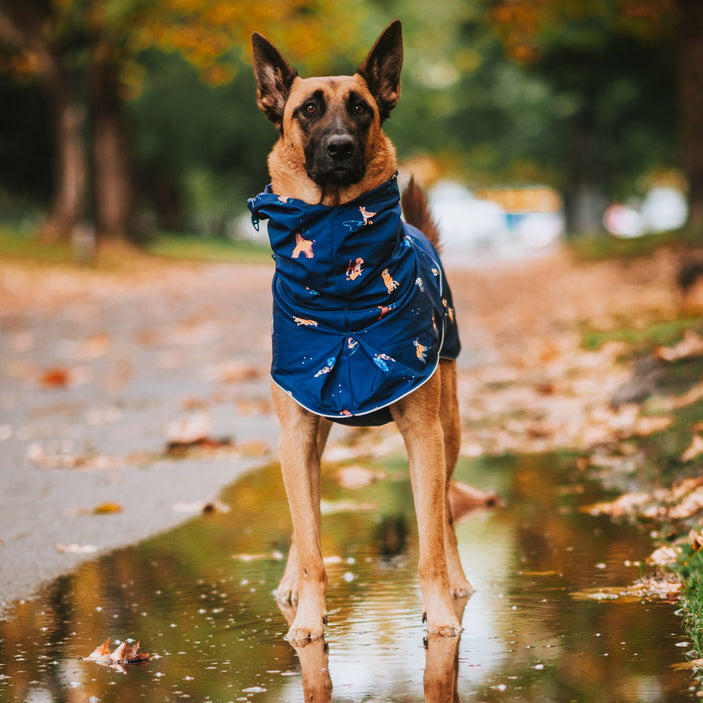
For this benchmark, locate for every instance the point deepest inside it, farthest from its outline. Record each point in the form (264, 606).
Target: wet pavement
(199, 599)
(92, 387)
(95, 371)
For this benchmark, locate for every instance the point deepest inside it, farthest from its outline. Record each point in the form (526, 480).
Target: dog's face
(333, 120)
(331, 144)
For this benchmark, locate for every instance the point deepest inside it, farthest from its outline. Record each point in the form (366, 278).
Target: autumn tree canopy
(83, 53)
(152, 103)
(535, 31)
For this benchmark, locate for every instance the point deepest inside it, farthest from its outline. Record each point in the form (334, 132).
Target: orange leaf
(101, 652)
(55, 378)
(118, 654)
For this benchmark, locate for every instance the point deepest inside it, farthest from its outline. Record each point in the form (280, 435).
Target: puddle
(200, 597)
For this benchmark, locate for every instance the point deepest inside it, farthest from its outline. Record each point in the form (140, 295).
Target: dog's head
(330, 128)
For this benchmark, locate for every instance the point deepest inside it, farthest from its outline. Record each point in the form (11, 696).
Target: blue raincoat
(362, 311)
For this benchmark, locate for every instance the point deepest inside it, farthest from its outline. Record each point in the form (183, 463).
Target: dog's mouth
(336, 174)
(343, 175)
(328, 167)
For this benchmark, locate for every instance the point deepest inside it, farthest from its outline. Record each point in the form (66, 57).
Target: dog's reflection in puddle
(441, 664)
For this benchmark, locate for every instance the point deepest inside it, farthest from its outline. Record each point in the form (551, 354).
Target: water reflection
(200, 597)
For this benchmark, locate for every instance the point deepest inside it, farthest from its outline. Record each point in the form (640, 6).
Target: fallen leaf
(695, 448)
(254, 448)
(644, 589)
(107, 508)
(689, 504)
(664, 556)
(645, 425)
(55, 378)
(693, 395)
(101, 652)
(690, 345)
(189, 430)
(94, 347)
(356, 477)
(124, 653)
(695, 540)
(118, 655)
(238, 371)
(201, 506)
(253, 407)
(76, 548)
(626, 504)
(693, 664)
(464, 499)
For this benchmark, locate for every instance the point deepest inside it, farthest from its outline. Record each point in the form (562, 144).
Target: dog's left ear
(381, 68)
(274, 77)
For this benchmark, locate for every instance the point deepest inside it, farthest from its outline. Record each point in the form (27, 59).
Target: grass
(599, 246)
(177, 246)
(22, 244)
(690, 569)
(656, 333)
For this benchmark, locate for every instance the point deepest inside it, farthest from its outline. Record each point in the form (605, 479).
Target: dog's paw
(300, 635)
(444, 627)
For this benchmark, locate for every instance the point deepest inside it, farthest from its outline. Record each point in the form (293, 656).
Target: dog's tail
(416, 211)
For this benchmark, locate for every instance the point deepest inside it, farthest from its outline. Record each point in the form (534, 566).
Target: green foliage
(21, 243)
(180, 246)
(185, 129)
(595, 105)
(657, 333)
(690, 568)
(600, 246)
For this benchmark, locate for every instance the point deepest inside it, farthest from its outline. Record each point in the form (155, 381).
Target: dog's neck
(289, 179)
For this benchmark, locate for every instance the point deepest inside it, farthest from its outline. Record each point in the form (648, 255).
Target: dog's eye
(359, 108)
(310, 108)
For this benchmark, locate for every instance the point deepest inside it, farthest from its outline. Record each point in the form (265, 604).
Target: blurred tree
(582, 44)
(84, 54)
(44, 43)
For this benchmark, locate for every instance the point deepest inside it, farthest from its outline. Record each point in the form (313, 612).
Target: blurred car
(466, 223)
(663, 209)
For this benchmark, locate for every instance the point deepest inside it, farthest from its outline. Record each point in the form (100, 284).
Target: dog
(333, 162)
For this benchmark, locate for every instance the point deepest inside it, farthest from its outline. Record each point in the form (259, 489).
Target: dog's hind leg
(417, 417)
(300, 466)
(287, 591)
(451, 427)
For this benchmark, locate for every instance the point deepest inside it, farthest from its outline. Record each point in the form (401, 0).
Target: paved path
(94, 370)
(96, 367)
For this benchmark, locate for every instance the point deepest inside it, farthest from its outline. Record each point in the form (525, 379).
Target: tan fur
(428, 419)
(286, 161)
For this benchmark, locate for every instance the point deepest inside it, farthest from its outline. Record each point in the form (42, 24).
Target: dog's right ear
(274, 77)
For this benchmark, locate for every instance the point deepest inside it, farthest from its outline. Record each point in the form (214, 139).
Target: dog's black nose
(340, 146)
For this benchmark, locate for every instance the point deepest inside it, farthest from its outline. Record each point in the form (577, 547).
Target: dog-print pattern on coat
(382, 314)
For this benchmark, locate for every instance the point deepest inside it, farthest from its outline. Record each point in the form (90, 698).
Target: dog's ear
(274, 77)
(381, 68)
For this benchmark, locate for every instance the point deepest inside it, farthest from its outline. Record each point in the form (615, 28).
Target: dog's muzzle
(338, 159)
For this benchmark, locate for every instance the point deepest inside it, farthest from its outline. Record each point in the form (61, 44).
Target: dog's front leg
(300, 465)
(287, 591)
(417, 417)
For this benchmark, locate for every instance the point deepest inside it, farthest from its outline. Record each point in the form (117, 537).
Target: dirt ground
(106, 377)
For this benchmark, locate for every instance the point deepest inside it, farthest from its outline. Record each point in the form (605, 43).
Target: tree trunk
(584, 202)
(111, 149)
(70, 163)
(691, 103)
